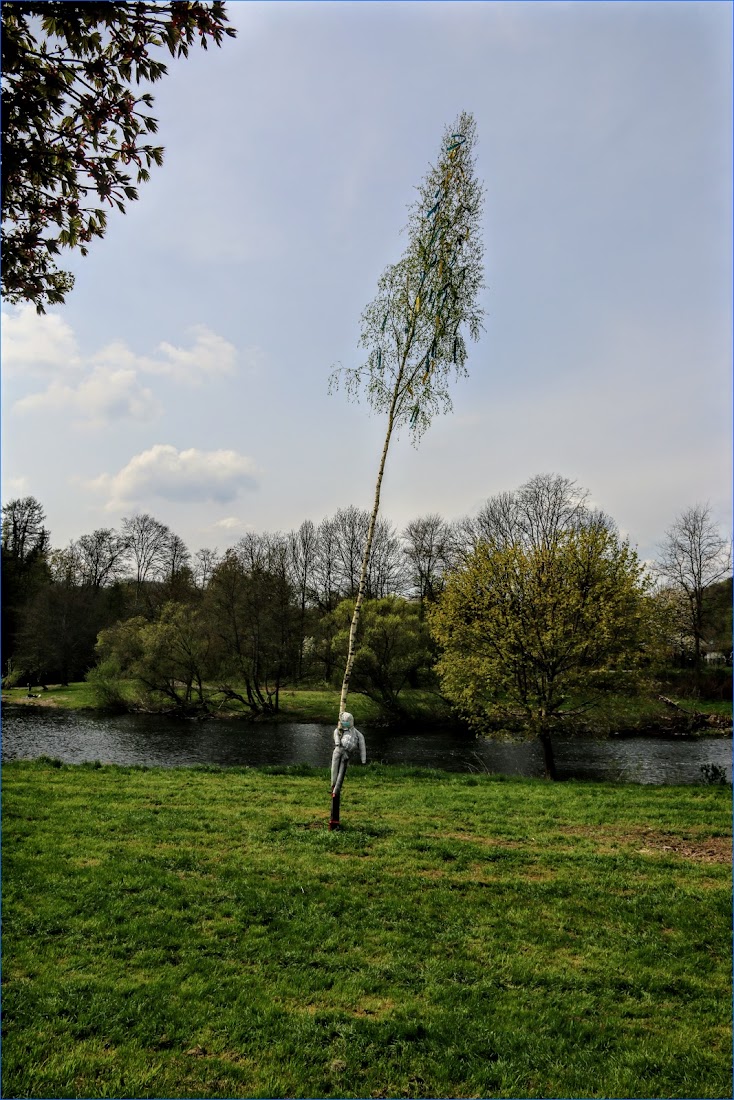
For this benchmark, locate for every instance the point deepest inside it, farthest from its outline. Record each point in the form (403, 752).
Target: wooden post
(335, 823)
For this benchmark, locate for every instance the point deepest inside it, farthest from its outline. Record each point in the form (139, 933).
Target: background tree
(59, 625)
(254, 617)
(302, 551)
(24, 534)
(326, 584)
(350, 526)
(428, 545)
(176, 573)
(73, 128)
(693, 557)
(102, 557)
(204, 563)
(414, 329)
(147, 542)
(25, 548)
(524, 626)
(532, 516)
(717, 617)
(387, 574)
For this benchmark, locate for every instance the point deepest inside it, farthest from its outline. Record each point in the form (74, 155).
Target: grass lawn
(74, 696)
(200, 933)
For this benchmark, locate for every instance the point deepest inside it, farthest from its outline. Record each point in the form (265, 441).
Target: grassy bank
(641, 713)
(296, 704)
(200, 933)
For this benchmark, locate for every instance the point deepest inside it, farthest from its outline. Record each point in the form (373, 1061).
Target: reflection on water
(78, 737)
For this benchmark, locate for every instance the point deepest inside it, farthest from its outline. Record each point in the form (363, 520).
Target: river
(76, 737)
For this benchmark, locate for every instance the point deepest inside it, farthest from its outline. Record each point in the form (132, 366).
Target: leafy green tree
(74, 128)
(414, 330)
(393, 647)
(169, 657)
(523, 626)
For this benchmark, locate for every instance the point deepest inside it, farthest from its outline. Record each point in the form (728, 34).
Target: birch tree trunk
(352, 648)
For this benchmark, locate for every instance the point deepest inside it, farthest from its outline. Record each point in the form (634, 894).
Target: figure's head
(346, 720)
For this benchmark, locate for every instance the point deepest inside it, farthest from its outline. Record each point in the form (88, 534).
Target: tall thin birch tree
(427, 304)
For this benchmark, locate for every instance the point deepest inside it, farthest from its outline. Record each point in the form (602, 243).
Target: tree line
(533, 594)
(280, 591)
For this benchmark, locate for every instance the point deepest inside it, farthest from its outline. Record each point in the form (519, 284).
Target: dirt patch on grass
(477, 838)
(704, 849)
(713, 849)
(34, 701)
(372, 1006)
(432, 874)
(701, 849)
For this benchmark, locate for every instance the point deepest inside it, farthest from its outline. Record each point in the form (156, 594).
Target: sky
(187, 373)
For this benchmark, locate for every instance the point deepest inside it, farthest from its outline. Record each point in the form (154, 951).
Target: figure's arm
(337, 737)
(362, 747)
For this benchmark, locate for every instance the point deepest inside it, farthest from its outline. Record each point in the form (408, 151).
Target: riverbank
(199, 932)
(621, 715)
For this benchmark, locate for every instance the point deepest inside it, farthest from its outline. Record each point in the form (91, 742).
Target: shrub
(106, 683)
(714, 775)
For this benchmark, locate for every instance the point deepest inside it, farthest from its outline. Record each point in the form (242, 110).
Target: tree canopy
(427, 303)
(74, 127)
(523, 626)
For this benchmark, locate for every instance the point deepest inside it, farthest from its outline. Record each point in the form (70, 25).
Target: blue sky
(187, 374)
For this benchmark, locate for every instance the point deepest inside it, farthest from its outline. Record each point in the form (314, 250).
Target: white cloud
(107, 384)
(209, 355)
(230, 523)
(105, 395)
(184, 476)
(15, 487)
(32, 341)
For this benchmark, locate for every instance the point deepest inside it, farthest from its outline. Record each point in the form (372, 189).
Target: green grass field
(200, 933)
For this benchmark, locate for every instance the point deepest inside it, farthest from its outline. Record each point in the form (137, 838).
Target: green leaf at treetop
(427, 304)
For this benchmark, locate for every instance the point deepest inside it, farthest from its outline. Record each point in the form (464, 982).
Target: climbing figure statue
(347, 740)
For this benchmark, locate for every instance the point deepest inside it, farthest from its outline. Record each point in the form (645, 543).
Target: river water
(76, 737)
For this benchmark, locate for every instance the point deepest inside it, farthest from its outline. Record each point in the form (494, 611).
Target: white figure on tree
(347, 740)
